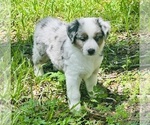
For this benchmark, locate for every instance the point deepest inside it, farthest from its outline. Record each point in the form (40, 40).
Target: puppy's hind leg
(39, 57)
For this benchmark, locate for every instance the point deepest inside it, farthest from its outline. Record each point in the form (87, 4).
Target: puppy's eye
(83, 37)
(98, 36)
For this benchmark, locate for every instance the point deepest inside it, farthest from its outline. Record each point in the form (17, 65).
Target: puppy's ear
(105, 26)
(72, 30)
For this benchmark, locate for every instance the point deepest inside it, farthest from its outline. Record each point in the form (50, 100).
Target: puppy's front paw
(75, 107)
(38, 71)
(92, 94)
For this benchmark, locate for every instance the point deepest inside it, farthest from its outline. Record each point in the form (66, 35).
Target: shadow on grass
(123, 55)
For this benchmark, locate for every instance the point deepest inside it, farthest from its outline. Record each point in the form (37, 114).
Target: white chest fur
(78, 64)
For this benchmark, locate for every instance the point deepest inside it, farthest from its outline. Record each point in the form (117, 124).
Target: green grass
(42, 100)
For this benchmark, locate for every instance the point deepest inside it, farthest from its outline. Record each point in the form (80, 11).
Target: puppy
(75, 48)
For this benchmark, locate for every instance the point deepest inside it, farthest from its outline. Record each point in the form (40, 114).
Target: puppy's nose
(91, 51)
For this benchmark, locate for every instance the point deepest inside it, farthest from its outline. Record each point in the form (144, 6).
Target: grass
(42, 100)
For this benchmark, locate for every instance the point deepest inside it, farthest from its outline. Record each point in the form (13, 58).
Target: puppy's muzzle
(91, 51)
